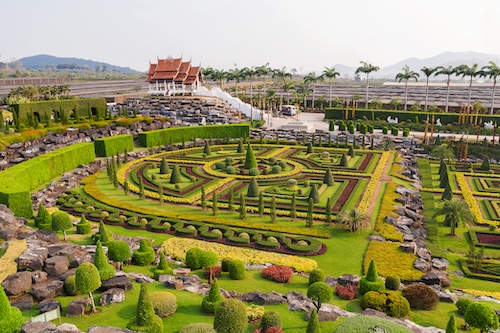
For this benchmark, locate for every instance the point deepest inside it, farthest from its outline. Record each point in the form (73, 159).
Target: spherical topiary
(291, 182)
(391, 303)
(392, 283)
(421, 297)
(272, 160)
(70, 286)
(481, 316)
(225, 264)
(164, 303)
(191, 227)
(253, 172)
(316, 275)
(213, 298)
(198, 328)
(230, 317)
(145, 254)
(272, 239)
(104, 213)
(220, 165)
(244, 235)
(302, 243)
(276, 169)
(270, 319)
(216, 231)
(462, 305)
(61, 221)
(237, 270)
(118, 251)
(230, 170)
(192, 258)
(282, 164)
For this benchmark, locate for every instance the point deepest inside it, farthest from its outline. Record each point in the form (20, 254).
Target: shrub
(230, 316)
(346, 292)
(216, 272)
(253, 172)
(253, 188)
(316, 275)
(421, 297)
(11, 319)
(313, 324)
(391, 303)
(270, 319)
(192, 258)
(83, 227)
(462, 305)
(43, 217)
(250, 160)
(175, 177)
(371, 282)
(230, 170)
(244, 235)
(118, 251)
(225, 264)
(319, 293)
(213, 299)
(198, 328)
(164, 303)
(392, 283)
(397, 306)
(220, 165)
(70, 286)
(87, 280)
(255, 312)
(145, 319)
(272, 239)
(106, 270)
(145, 254)
(163, 268)
(481, 316)
(276, 169)
(237, 270)
(282, 274)
(61, 221)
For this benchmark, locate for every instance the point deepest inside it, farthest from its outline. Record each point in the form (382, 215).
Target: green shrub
(364, 324)
(391, 303)
(118, 251)
(230, 170)
(43, 216)
(270, 319)
(237, 270)
(392, 283)
(250, 160)
(421, 297)
(175, 177)
(213, 299)
(225, 264)
(371, 282)
(70, 286)
(145, 254)
(220, 165)
(462, 305)
(163, 268)
(230, 317)
(83, 227)
(198, 328)
(113, 145)
(106, 270)
(276, 169)
(253, 172)
(61, 221)
(192, 258)
(481, 316)
(253, 188)
(314, 194)
(343, 160)
(164, 303)
(319, 293)
(11, 319)
(145, 319)
(316, 275)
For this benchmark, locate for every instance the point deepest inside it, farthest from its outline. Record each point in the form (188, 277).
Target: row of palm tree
(37, 93)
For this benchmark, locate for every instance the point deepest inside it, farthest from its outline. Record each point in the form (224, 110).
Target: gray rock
(33, 258)
(47, 305)
(391, 220)
(39, 327)
(269, 299)
(410, 247)
(171, 282)
(376, 238)
(422, 265)
(68, 328)
(17, 283)
(108, 329)
(346, 279)
(38, 277)
(77, 307)
(121, 282)
(331, 281)
(23, 302)
(437, 277)
(57, 265)
(440, 263)
(324, 314)
(424, 253)
(112, 296)
(45, 290)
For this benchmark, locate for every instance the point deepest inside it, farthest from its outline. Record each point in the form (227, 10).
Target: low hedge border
(467, 272)
(473, 237)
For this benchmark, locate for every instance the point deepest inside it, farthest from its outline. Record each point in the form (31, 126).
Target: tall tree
(428, 71)
(236, 75)
(443, 152)
(472, 71)
(491, 71)
(251, 73)
(448, 71)
(330, 73)
(366, 68)
(407, 75)
(282, 75)
(288, 86)
(455, 212)
(312, 79)
(220, 76)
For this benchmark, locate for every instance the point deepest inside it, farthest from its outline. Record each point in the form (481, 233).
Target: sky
(302, 34)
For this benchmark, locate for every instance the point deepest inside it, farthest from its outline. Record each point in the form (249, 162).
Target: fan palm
(407, 75)
(331, 74)
(302, 92)
(448, 71)
(492, 71)
(428, 71)
(471, 71)
(366, 68)
(443, 152)
(455, 212)
(353, 218)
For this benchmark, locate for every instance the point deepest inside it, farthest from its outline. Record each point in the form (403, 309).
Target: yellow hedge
(382, 228)
(7, 262)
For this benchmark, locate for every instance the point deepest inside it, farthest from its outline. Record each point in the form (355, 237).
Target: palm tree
(443, 152)
(302, 92)
(264, 71)
(353, 218)
(428, 71)
(455, 212)
(331, 74)
(282, 74)
(471, 71)
(221, 76)
(237, 76)
(367, 69)
(492, 71)
(251, 73)
(407, 75)
(448, 71)
(288, 86)
(312, 78)
(270, 97)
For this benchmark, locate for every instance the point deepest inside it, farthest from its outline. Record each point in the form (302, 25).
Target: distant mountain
(43, 61)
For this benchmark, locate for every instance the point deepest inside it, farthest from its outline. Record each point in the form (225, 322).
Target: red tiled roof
(194, 72)
(167, 65)
(174, 69)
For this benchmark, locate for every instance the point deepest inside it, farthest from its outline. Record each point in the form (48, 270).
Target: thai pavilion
(173, 76)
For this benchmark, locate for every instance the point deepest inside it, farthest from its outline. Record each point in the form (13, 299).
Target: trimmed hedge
(112, 145)
(174, 135)
(37, 171)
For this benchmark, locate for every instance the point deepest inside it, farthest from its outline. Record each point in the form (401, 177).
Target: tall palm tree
(448, 71)
(331, 74)
(282, 74)
(471, 71)
(455, 212)
(251, 73)
(287, 86)
(302, 92)
(264, 71)
(353, 218)
(311, 78)
(237, 76)
(367, 69)
(221, 76)
(407, 75)
(428, 71)
(492, 71)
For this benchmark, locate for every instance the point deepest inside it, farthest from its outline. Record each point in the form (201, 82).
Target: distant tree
(207, 151)
(241, 148)
(328, 211)
(428, 71)
(472, 71)
(331, 74)
(208, 260)
(203, 199)
(448, 71)
(253, 188)
(343, 160)
(491, 71)
(485, 166)
(215, 208)
(443, 152)
(314, 194)
(407, 75)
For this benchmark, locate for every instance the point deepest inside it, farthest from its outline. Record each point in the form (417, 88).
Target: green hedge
(112, 145)
(468, 273)
(473, 237)
(178, 134)
(446, 118)
(19, 180)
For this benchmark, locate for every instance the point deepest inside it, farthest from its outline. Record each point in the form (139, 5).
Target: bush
(220, 165)
(163, 268)
(253, 172)
(237, 270)
(198, 328)
(83, 227)
(319, 293)
(481, 316)
(371, 282)
(145, 319)
(145, 254)
(225, 264)
(215, 270)
(106, 270)
(281, 274)
(164, 303)
(230, 317)
(391, 303)
(314, 194)
(61, 221)
(118, 251)
(462, 305)
(230, 170)
(316, 275)
(213, 299)
(347, 292)
(270, 319)
(392, 283)
(253, 188)
(192, 258)
(421, 297)
(276, 169)
(70, 286)
(255, 312)
(11, 319)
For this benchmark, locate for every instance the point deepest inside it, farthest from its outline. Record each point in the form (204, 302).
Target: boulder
(346, 279)
(38, 277)
(68, 328)
(33, 258)
(410, 247)
(331, 281)
(112, 296)
(268, 299)
(325, 314)
(171, 282)
(77, 307)
(23, 302)
(65, 275)
(17, 283)
(437, 277)
(55, 266)
(424, 253)
(391, 220)
(376, 238)
(38, 327)
(45, 236)
(440, 264)
(121, 282)
(422, 265)
(45, 290)
(47, 305)
(108, 329)
(75, 254)
(10, 227)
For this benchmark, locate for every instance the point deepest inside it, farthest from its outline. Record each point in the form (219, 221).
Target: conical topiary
(485, 166)
(213, 299)
(313, 324)
(207, 151)
(371, 282)
(372, 274)
(163, 267)
(176, 178)
(328, 179)
(314, 194)
(442, 167)
(351, 151)
(272, 210)
(452, 325)
(106, 270)
(104, 235)
(444, 181)
(164, 167)
(250, 160)
(145, 319)
(243, 208)
(253, 188)
(343, 160)
(438, 142)
(11, 319)
(43, 217)
(447, 194)
(310, 148)
(241, 148)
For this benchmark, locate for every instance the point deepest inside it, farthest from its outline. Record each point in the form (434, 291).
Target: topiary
(70, 286)
(230, 170)
(343, 160)
(451, 327)
(208, 259)
(43, 217)
(164, 303)
(145, 254)
(237, 270)
(61, 221)
(87, 280)
(462, 305)
(276, 169)
(207, 151)
(319, 293)
(250, 160)
(253, 172)
(119, 251)
(106, 270)
(316, 275)
(485, 166)
(198, 328)
(83, 227)
(481, 316)
(421, 297)
(213, 298)
(313, 324)
(230, 317)
(391, 303)
(175, 177)
(351, 151)
(371, 282)
(253, 188)
(314, 194)
(103, 234)
(220, 165)
(270, 319)
(192, 258)
(164, 167)
(163, 268)
(11, 319)
(328, 178)
(392, 283)
(225, 264)
(310, 148)
(145, 319)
